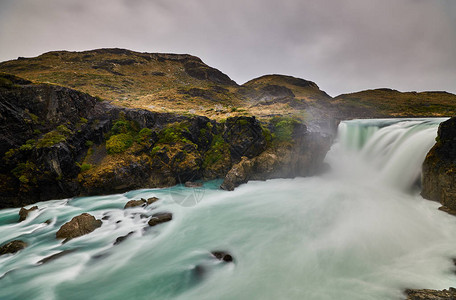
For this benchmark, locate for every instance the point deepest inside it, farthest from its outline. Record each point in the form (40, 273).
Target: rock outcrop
(303, 155)
(78, 226)
(12, 247)
(439, 167)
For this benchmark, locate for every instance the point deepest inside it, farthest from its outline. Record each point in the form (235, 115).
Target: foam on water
(348, 234)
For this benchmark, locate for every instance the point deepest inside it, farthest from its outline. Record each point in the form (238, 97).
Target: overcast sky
(342, 45)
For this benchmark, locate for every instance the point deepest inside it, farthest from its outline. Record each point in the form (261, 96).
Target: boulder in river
(222, 255)
(78, 226)
(12, 247)
(152, 200)
(159, 218)
(24, 212)
(135, 203)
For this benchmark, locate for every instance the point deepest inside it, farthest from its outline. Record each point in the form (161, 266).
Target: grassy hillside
(392, 103)
(166, 82)
(184, 84)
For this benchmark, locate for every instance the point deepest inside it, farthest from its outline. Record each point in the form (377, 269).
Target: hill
(161, 82)
(392, 103)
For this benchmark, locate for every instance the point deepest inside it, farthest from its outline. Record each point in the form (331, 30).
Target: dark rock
(120, 239)
(55, 256)
(135, 203)
(47, 222)
(424, 294)
(107, 217)
(12, 247)
(196, 68)
(439, 167)
(190, 184)
(244, 136)
(23, 212)
(78, 226)
(222, 255)
(159, 218)
(448, 210)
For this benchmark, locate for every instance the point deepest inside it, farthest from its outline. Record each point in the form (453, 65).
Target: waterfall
(353, 233)
(384, 151)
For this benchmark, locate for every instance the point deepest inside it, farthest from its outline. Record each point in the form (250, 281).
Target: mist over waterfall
(359, 231)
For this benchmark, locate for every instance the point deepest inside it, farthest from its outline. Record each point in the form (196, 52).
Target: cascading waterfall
(356, 232)
(391, 151)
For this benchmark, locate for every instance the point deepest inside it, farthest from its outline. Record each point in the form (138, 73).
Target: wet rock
(448, 210)
(160, 218)
(47, 222)
(191, 184)
(222, 255)
(12, 247)
(439, 167)
(135, 203)
(78, 226)
(449, 294)
(120, 239)
(55, 256)
(23, 212)
(152, 200)
(303, 158)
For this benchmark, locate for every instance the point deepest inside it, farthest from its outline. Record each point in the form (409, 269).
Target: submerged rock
(120, 239)
(159, 218)
(23, 212)
(78, 226)
(55, 256)
(449, 294)
(191, 184)
(12, 247)
(223, 256)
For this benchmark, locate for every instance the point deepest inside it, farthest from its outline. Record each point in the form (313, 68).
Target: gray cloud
(342, 45)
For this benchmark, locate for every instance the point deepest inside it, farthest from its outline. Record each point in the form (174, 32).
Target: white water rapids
(359, 231)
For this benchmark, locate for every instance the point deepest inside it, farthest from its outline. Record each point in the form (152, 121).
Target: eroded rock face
(23, 212)
(449, 294)
(78, 226)
(303, 158)
(12, 247)
(439, 167)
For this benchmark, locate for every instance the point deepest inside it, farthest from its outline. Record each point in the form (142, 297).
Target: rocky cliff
(57, 142)
(439, 167)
